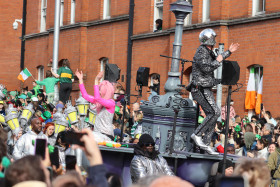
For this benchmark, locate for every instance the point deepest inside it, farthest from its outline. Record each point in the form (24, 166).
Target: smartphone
(70, 161)
(261, 106)
(40, 147)
(71, 137)
(237, 181)
(54, 157)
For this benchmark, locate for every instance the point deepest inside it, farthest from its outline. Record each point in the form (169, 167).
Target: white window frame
(40, 70)
(255, 9)
(188, 19)
(73, 9)
(158, 11)
(206, 11)
(106, 9)
(43, 15)
(103, 63)
(61, 12)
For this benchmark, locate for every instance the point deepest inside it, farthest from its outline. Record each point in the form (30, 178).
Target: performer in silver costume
(204, 64)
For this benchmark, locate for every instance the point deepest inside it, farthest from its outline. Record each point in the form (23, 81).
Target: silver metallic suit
(142, 166)
(204, 64)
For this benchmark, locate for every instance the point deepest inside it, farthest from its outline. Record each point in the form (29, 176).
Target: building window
(258, 7)
(103, 62)
(40, 70)
(258, 73)
(43, 15)
(73, 9)
(158, 12)
(188, 19)
(61, 12)
(107, 9)
(206, 11)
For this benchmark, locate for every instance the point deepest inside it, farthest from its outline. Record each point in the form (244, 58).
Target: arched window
(73, 10)
(103, 62)
(40, 71)
(258, 7)
(206, 11)
(61, 12)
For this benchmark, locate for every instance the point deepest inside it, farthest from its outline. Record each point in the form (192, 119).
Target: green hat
(22, 96)
(117, 109)
(237, 128)
(46, 115)
(13, 93)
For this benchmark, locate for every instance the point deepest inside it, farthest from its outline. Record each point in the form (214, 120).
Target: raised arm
(85, 95)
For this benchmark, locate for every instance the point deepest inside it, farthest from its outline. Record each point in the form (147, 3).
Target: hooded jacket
(144, 164)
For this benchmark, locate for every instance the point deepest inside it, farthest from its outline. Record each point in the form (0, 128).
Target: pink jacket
(109, 104)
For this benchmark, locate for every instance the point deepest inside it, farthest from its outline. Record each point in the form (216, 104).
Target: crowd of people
(257, 138)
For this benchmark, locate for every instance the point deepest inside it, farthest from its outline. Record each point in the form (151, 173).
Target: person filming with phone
(25, 145)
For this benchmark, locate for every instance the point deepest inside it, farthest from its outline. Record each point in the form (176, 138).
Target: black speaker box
(231, 72)
(112, 73)
(143, 76)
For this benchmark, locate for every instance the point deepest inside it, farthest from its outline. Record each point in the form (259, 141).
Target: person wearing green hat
(49, 82)
(22, 99)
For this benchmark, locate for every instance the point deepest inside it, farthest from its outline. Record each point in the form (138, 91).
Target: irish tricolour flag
(250, 100)
(24, 74)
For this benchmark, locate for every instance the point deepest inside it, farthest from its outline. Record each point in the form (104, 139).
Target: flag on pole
(250, 99)
(24, 74)
(259, 97)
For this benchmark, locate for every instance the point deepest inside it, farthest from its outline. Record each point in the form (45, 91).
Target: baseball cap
(34, 98)
(22, 96)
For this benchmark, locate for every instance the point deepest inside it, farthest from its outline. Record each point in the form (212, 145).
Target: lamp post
(12, 119)
(91, 116)
(26, 114)
(60, 121)
(181, 9)
(82, 107)
(71, 113)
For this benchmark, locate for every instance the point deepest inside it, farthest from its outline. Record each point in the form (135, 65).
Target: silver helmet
(207, 37)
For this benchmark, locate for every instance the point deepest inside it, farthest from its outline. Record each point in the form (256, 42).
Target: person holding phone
(25, 145)
(105, 106)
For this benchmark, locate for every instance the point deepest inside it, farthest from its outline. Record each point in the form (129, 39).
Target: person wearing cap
(147, 161)
(22, 98)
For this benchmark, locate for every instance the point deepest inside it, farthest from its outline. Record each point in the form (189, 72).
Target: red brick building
(96, 32)
(10, 43)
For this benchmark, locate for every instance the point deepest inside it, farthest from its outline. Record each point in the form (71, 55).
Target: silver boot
(198, 141)
(210, 151)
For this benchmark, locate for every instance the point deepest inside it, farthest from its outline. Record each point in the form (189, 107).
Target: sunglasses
(149, 144)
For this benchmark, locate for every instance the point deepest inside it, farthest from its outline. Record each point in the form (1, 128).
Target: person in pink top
(105, 106)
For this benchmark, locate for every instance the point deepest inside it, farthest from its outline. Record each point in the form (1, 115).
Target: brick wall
(85, 46)
(10, 43)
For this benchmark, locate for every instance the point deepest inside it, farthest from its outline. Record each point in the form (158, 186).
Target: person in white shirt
(26, 144)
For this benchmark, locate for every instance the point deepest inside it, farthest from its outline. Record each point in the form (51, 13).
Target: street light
(60, 121)
(12, 121)
(82, 107)
(26, 114)
(91, 117)
(71, 113)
